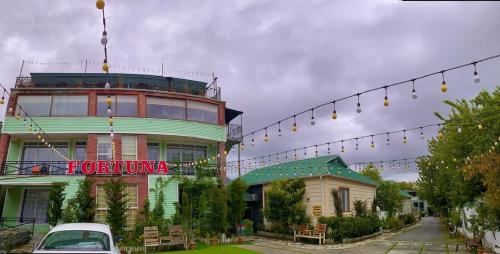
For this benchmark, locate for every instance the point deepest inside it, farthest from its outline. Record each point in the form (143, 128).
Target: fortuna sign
(115, 167)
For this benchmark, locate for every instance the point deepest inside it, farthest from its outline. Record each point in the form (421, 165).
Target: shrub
(407, 219)
(392, 222)
(341, 228)
(360, 208)
(85, 203)
(56, 199)
(117, 205)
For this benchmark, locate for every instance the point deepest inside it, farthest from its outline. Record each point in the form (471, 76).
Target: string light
(313, 122)
(414, 94)
(357, 145)
(342, 150)
(294, 127)
(2, 101)
(422, 133)
(358, 106)
(459, 130)
(334, 114)
(404, 137)
(266, 138)
(386, 100)
(373, 144)
(443, 84)
(279, 129)
(476, 76)
(253, 140)
(329, 148)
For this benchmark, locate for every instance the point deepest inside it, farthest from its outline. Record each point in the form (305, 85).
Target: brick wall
(4, 148)
(142, 147)
(92, 147)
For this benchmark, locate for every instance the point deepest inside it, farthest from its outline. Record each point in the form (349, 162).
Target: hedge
(341, 228)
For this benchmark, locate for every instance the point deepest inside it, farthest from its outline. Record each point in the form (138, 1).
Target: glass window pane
(153, 151)
(102, 107)
(203, 112)
(165, 108)
(35, 205)
(126, 105)
(34, 105)
(173, 153)
(76, 240)
(103, 147)
(63, 105)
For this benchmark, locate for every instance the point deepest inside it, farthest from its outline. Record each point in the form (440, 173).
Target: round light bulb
(2, 101)
(414, 94)
(294, 127)
(422, 136)
(104, 39)
(386, 102)
(479, 126)
(440, 134)
(109, 101)
(459, 130)
(253, 142)
(107, 85)
(112, 134)
(387, 142)
(443, 87)
(279, 133)
(358, 108)
(266, 138)
(476, 77)
(10, 110)
(109, 112)
(312, 121)
(334, 115)
(110, 120)
(100, 4)
(105, 67)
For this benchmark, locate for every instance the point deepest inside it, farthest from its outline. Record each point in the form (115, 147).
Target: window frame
(110, 146)
(341, 195)
(105, 209)
(115, 104)
(21, 204)
(51, 103)
(70, 95)
(123, 146)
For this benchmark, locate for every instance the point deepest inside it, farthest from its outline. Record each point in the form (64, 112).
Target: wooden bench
(318, 232)
(153, 238)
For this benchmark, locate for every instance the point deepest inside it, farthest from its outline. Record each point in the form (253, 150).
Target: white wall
(489, 240)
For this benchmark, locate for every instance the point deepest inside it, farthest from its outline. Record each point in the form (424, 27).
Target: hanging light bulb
(414, 94)
(112, 134)
(294, 127)
(404, 137)
(459, 130)
(305, 151)
(313, 122)
(476, 76)
(10, 110)
(316, 152)
(479, 126)
(386, 100)
(104, 39)
(372, 144)
(357, 145)
(387, 142)
(107, 85)
(266, 138)
(2, 100)
(242, 146)
(422, 133)
(328, 148)
(342, 150)
(334, 114)
(253, 140)
(18, 116)
(110, 120)
(279, 129)
(43, 140)
(109, 101)
(358, 106)
(443, 84)
(105, 66)
(24, 121)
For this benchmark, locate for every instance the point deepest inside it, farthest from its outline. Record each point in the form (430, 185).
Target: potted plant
(213, 240)
(192, 245)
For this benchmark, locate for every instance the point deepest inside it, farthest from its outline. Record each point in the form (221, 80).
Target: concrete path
(429, 236)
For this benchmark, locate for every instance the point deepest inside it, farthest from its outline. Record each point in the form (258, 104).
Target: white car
(79, 238)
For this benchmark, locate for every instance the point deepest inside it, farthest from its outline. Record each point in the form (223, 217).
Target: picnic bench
(175, 237)
(318, 232)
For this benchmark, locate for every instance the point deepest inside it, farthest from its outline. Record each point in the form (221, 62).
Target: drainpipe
(322, 195)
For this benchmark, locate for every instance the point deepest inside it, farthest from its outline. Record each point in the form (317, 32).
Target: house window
(37, 154)
(122, 105)
(153, 151)
(131, 192)
(34, 105)
(344, 199)
(202, 112)
(177, 153)
(35, 203)
(80, 154)
(129, 147)
(64, 105)
(165, 108)
(104, 149)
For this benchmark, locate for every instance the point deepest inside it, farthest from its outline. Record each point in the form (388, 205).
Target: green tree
(217, 213)
(284, 204)
(388, 197)
(372, 172)
(236, 205)
(56, 200)
(69, 214)
(337, 203)
(85, 202)
(117, 205)
(360, 208)
(470, 131)
(406, 185)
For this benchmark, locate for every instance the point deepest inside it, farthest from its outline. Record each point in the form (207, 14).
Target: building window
(344, 199)
(129, 148)
(123, 105)
(64, 105)
(80, 154)
(131, 192)
(37, 156)
(177, 153)
(35, 203)
(104, 149)
(165, 108)
(153, 151)
(202, 112)
(34, 105)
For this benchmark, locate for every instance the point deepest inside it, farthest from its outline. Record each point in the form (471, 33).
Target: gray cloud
(275, 58)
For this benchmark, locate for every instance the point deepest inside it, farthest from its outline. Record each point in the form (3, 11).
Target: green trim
(134, 125)
(163, 150)
(14, 153)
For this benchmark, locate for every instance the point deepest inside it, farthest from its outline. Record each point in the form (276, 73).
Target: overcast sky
(276, 58)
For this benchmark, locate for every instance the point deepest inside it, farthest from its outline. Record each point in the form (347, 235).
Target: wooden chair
(318, 232)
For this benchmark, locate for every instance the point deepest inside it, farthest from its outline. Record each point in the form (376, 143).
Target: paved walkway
(428, 236)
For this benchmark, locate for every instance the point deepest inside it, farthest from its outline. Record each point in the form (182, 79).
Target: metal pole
(162, 69)
(239, 148)
(21, 71)
(85, 66)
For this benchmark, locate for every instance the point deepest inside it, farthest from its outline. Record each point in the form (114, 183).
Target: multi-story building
(155, 118)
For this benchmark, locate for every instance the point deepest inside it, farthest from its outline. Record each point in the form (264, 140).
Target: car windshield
(76, 240)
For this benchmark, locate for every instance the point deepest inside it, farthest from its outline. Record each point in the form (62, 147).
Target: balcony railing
(40, 168)
(213, 91)
(234, 132)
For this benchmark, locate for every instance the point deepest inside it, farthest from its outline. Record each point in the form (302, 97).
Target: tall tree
(388, 197)
(372, 172)
(337, 203)
(85, 202)
(236, 205)
(117, 205)
(56, 200)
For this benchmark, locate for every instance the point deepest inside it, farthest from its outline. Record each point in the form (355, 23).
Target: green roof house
(321, 174)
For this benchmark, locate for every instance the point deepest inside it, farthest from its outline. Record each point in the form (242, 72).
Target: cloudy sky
(276, 58)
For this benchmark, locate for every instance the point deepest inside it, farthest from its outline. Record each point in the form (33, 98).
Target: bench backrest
(303, 228)
(175, 232)
(151, 235)
(320, 228)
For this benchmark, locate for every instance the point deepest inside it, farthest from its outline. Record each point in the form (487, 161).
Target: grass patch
(421, 250)
(223, 249)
